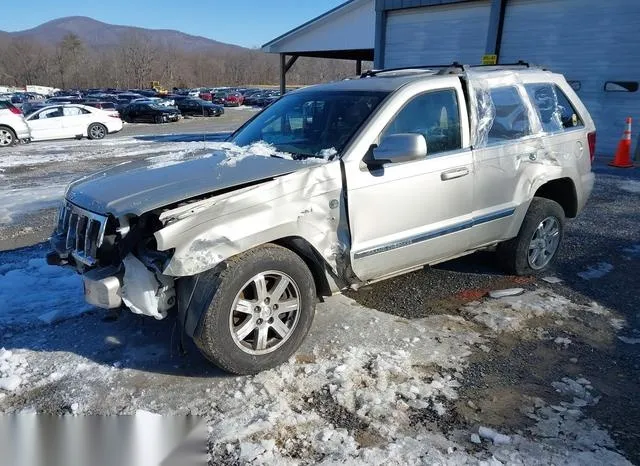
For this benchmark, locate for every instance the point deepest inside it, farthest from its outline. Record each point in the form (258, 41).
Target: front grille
(81, 233)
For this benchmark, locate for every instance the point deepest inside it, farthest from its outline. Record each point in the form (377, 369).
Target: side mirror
(397, 148)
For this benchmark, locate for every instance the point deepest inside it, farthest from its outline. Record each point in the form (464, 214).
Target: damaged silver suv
(332, 187)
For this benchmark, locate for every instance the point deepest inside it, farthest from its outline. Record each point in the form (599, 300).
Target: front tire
(538, 242)
(97, 131)
(262, 308)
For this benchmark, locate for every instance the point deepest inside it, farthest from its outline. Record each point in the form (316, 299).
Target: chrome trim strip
(434, 234)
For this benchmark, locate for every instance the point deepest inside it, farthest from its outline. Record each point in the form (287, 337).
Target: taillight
(591, 137)
(15, 110)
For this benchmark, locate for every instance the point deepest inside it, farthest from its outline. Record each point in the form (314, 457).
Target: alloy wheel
(265, 313)
(544, 243)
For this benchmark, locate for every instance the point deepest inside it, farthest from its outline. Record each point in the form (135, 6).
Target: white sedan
(72, 121)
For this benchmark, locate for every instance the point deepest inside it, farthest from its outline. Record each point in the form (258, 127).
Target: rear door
(46, 124)
(75, 121)
(510, 144)
(405, 215)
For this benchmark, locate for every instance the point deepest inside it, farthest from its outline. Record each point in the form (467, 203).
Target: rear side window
(553, 107)
(511, 120)
(435, 115)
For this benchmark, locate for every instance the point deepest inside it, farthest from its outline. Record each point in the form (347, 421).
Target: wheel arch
(195, 292)
(563, 191)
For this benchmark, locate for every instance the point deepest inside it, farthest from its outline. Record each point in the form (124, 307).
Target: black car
(199, 107)
(148, 112)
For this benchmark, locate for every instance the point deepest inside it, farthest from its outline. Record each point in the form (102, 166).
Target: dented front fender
(308, 204)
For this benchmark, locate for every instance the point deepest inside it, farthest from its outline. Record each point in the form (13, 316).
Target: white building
(594, 43)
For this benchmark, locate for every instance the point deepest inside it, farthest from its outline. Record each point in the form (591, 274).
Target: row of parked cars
(94, 113)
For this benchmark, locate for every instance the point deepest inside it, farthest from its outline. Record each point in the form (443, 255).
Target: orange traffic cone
(622, 159)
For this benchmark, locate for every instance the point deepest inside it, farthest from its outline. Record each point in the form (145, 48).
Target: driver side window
(434, 115)
(49, 113)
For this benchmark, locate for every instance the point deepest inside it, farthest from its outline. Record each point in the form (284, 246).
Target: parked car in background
(206, 95)
(101, 105)
(67, 99)
(13, 126)
(71, 121)
(199, 107)
(252, 98)
(233, 99)
(150, 113)
(30, 107)
(219, 98)
(155, 100)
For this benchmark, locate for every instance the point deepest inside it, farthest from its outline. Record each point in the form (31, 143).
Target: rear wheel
(538, 242)
(7, 137)
(261, 311)
(97, 131)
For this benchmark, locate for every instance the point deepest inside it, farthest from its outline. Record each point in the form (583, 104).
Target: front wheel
(262, 308)
(538, 242)
(97, 131)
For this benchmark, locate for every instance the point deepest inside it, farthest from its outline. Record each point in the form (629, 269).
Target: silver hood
(140, 186)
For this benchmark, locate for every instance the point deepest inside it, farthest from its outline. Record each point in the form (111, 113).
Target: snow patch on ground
(13, 368)
(596, 271)
(631, 186)
(22, 200)
(32, 291)
(629, 340)
(510, 313)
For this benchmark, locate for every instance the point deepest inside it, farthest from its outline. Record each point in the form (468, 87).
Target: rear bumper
(22, 132)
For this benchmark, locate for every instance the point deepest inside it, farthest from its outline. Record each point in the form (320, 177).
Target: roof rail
(453, 68)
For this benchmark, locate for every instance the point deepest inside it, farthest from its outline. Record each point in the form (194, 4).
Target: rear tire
(8, 137)
(262, 308)
(97, 131)
(538, 242)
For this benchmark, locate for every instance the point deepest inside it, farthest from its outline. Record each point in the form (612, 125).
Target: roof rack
(453, 68)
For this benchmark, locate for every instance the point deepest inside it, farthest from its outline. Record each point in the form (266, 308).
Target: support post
(494, 32)
(284, 67)
(358, 67)
(283, 74)
(380, 37)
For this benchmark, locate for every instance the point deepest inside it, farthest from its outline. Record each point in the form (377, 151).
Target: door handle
(454, 173)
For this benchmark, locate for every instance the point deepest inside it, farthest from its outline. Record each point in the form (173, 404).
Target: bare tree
(68, 56)
(137, 55)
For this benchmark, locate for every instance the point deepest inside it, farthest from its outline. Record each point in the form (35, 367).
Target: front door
(408, 214)
(46, 124)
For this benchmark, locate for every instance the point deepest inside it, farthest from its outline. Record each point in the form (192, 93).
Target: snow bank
(33, 292)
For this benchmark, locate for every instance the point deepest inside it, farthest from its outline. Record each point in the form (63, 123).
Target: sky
(250, 23)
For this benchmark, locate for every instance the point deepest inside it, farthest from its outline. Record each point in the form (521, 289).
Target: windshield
(312, 123)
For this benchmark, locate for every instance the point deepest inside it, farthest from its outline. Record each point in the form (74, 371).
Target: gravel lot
(557, 369)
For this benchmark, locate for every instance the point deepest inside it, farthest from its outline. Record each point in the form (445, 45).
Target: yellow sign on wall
(490, 59)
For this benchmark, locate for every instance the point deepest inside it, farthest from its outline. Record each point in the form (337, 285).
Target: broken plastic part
(144, 292)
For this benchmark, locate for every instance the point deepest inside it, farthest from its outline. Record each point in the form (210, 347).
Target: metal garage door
(437, 34)
(590, 41)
